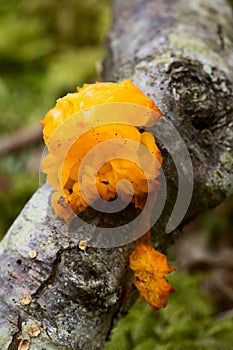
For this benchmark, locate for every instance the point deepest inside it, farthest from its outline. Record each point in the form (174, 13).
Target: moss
(186, 323)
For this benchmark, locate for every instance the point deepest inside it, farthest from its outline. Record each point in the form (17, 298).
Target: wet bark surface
(182, 58)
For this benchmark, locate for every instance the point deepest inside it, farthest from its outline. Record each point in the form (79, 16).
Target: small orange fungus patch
(24, 344)
(26, 300)
(150, 268)
(83, 245)
(32, 254)
(34, 330)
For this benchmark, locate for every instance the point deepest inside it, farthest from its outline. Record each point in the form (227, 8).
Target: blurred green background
(47, 48)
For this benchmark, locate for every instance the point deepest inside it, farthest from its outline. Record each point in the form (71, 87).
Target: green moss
(186, 322)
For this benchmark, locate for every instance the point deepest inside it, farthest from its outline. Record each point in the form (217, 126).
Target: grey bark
(180, 54)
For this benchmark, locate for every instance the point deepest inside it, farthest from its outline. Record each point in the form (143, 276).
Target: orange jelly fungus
(62, 169)
(150, 267)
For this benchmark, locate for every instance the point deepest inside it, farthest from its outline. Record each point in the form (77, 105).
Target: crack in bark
(53, 273)
(15, 341)
(221, 36)
(52, 276)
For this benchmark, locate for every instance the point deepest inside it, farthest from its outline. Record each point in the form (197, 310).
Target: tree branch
(21, 138)
(175, 52)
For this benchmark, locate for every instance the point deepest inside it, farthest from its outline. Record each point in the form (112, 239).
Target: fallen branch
(173, 51)
(21, 138)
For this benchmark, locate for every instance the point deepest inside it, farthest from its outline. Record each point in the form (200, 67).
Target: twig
(21, 138)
